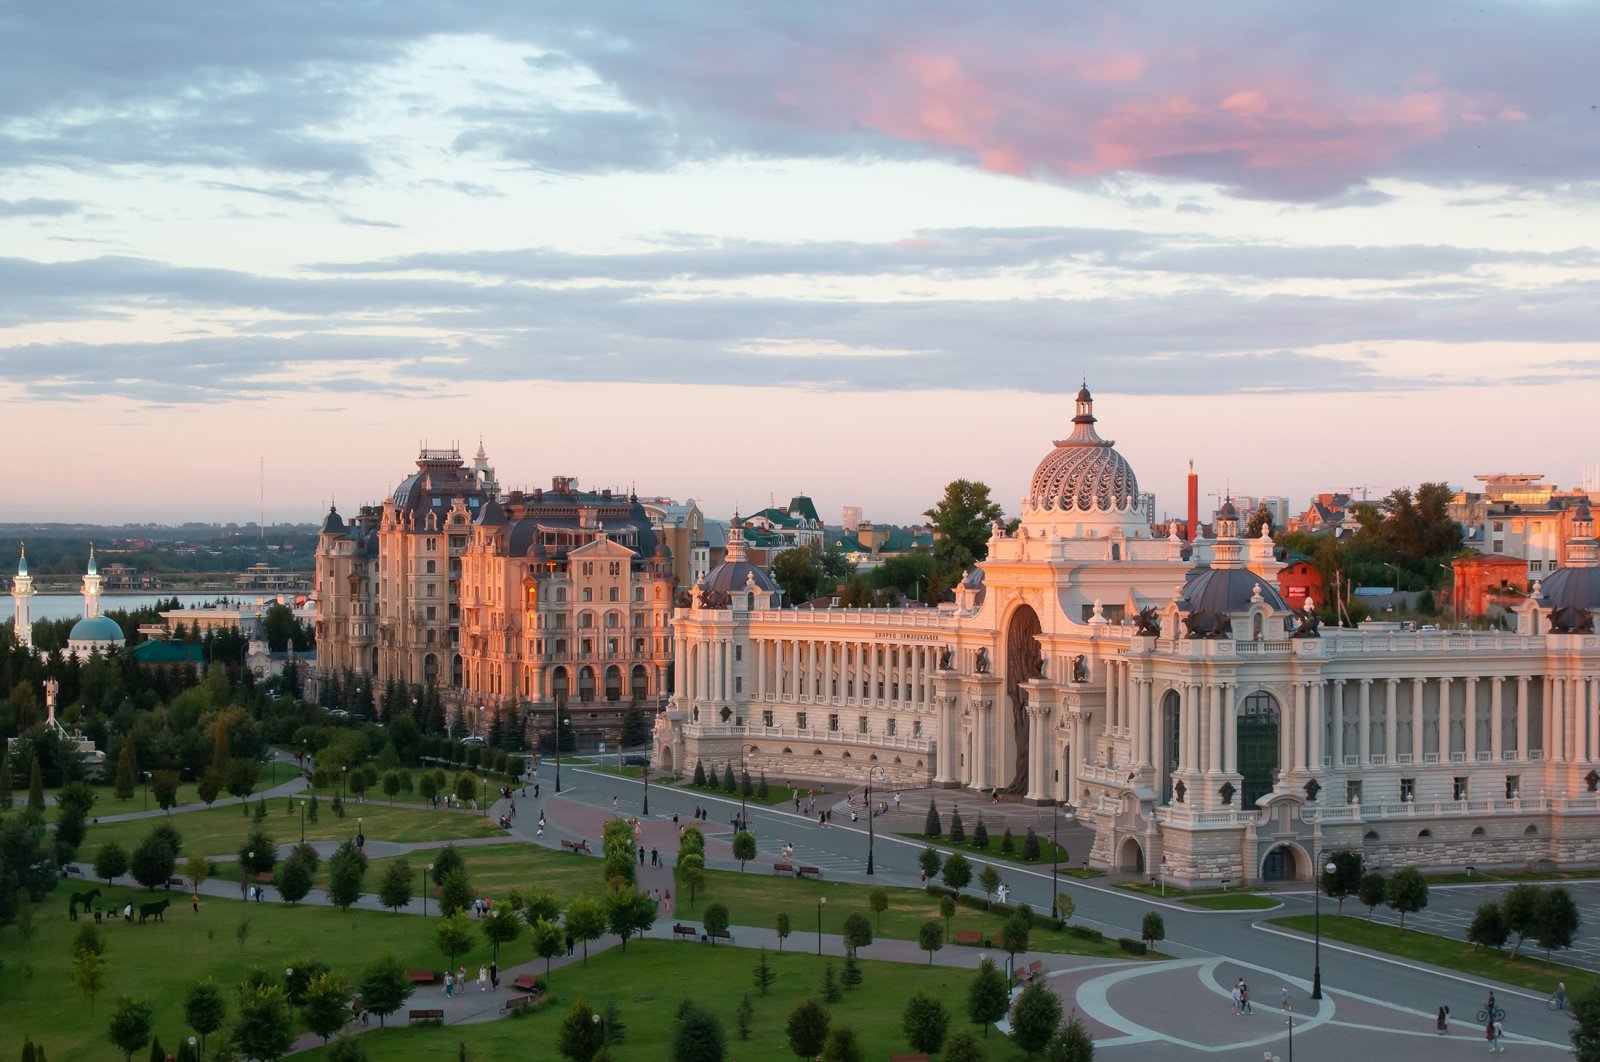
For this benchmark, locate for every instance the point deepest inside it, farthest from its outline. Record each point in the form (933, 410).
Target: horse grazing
(147, 910)
(85, 898)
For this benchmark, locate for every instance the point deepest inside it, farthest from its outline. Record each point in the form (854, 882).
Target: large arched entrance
(665, 766)
(1280, 864)
(586, 685)
(638, 683)
(613, 683)
(1130, 859)
(1022, 663)
(1257, 747)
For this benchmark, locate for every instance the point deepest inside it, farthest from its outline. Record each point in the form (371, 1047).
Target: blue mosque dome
(96, 629)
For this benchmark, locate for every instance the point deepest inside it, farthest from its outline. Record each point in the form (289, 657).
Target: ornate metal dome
(1083, 473)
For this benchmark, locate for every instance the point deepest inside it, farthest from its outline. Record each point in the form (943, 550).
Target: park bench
(517, 1003)
(783, 868)
(575, 846)
(72, 869)
(971, 936)
(917, 1057)
(264, 878)
(1028, 973)
(681, 930)
(525, 983)
(719, 934)
(422, 977)
(175, 882)
(435, 1014)
(804, 871)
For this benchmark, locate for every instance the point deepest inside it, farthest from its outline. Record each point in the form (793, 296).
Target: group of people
(1241, 997)
(488, 977)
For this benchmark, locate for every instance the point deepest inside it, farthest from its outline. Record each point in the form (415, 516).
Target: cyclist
(1561, 995)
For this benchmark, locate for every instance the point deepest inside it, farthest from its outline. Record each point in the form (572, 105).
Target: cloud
(48, 208)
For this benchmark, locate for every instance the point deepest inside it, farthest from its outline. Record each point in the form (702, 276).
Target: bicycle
(1499, 1014)
(1555, 1003)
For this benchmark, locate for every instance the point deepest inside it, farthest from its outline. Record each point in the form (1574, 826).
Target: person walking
(195, 899)
(1561, 995)
(1238, 1001)
(1244, 997)
(641, 855)
(1496, 1031)
(461, 977)
(483, 978)
(449, 985)
(1443, 1021)
(569, 945)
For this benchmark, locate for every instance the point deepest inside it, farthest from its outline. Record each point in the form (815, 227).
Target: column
(1230, 730)
(1496, 717)
(1214, 730)
(1364, 723)
(1189, 728)
(1125, 699)
(1591, 687)
(1522, 717)
(1297, 705)
(1469, 720)
(1548, 738)
(1315, 714)
(1111, 692)
(1336, 747)
(980, 743)
(1390, 722)
(1417, 726)
(1152, 724)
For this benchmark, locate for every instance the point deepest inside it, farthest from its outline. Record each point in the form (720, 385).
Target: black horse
(147, 910)
(85, 898)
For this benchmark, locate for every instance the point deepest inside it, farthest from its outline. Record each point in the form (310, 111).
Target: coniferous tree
(127, 772)
(931, 826)
(958, 832)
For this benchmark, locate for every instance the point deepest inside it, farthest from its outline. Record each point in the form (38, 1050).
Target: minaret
(21, 591)
(1194, 503)
(736, 548)
(91, 588)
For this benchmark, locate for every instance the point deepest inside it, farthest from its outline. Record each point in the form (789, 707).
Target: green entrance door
(1258, 746)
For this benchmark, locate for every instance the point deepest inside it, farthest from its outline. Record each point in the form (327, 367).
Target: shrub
(1008, 843)
(931, 826)
(1030, 845)
(1085, 933)
(958, 832)
(1153, 928)
(1131, 946)
(980, 836)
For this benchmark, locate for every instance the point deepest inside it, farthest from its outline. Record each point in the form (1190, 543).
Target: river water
(70, 606)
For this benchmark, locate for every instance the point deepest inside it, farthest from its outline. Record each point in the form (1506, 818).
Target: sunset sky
(736, 251)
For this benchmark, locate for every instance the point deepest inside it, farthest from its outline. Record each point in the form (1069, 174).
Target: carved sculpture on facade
(1306, 624)
(946, 659)
(1569, 620)
(1147, 622)
(1080, 668)
(1043, 667)
(983, 661)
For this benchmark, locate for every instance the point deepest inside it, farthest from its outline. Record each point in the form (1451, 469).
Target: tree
(857, 931)
(455, 893)
(962, 521)
(931, 826)
(831, 992)
(153, 861)
(691, 872)
(616, 845)
(293, 880)
(197, 869)
(501, 926)
(783, 928)
(1072, 1043)
(89, 974)
(35, 788)
(1345, 877)
(842, 1045)
(384, 986)
(88, 941)
(878, 900)
(1520, 909)
(130, 1024)
(930, 861)
(327, 1004)
(926, 1022)
(127, 773)
(947, 911)
(1373, 888)
(1585, 1007)
(204, 1010)
(958, 832)
(629, 911)
(765, 974)
(988, 879)
(1261, 518)
(744, 848)
(346, 1048)
(744, 1017)
(1152, 929)
(957, 872)
(347, 869)
(453, 936)
(699, 774)
(1014, 933)
(697, 1036)
(111, 861)
(164, 787)
(930, 938)
(807, 1028)
(1488, 928)
(447, 862)
(1035, 1017)
(579, 1037)
(851, 977)
(963, 1046)
(394, 888)
(1406, 892)
(1557, 921)
(585, 921)
(1066, 906)
(1030, 846)
(258, 854)
(547, 942)
(980, 835)
(716, 920)
(264, 1029)
(987, 998)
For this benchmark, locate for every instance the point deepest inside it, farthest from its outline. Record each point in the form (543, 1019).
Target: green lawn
(755, 898)
(1233, 901)
(108, 804)
(158, 960)
(219, 831)
(992, 850)
(495, 868)
(1527, 971)
(776, 794)
(648, 983)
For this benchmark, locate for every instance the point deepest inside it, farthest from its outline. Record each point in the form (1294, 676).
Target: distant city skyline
(731, 254)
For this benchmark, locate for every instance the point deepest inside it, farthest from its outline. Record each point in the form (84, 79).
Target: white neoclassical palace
(1166, 692)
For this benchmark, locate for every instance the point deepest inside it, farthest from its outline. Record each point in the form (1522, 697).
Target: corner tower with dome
(1166, 693)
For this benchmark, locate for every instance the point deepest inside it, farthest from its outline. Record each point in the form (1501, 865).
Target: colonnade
(803, 670)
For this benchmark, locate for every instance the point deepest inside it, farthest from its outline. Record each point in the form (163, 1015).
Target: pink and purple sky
(735, 251)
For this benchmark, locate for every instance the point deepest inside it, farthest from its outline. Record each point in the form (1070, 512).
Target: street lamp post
(822, 901)
(561, 705)
(302, 822)
(342, 769)
(871, 816)
(144, 776)
(1055, 852)
(750, 752)
(646, 809)
(1316, 962)
(244, 870)
(425, 874)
